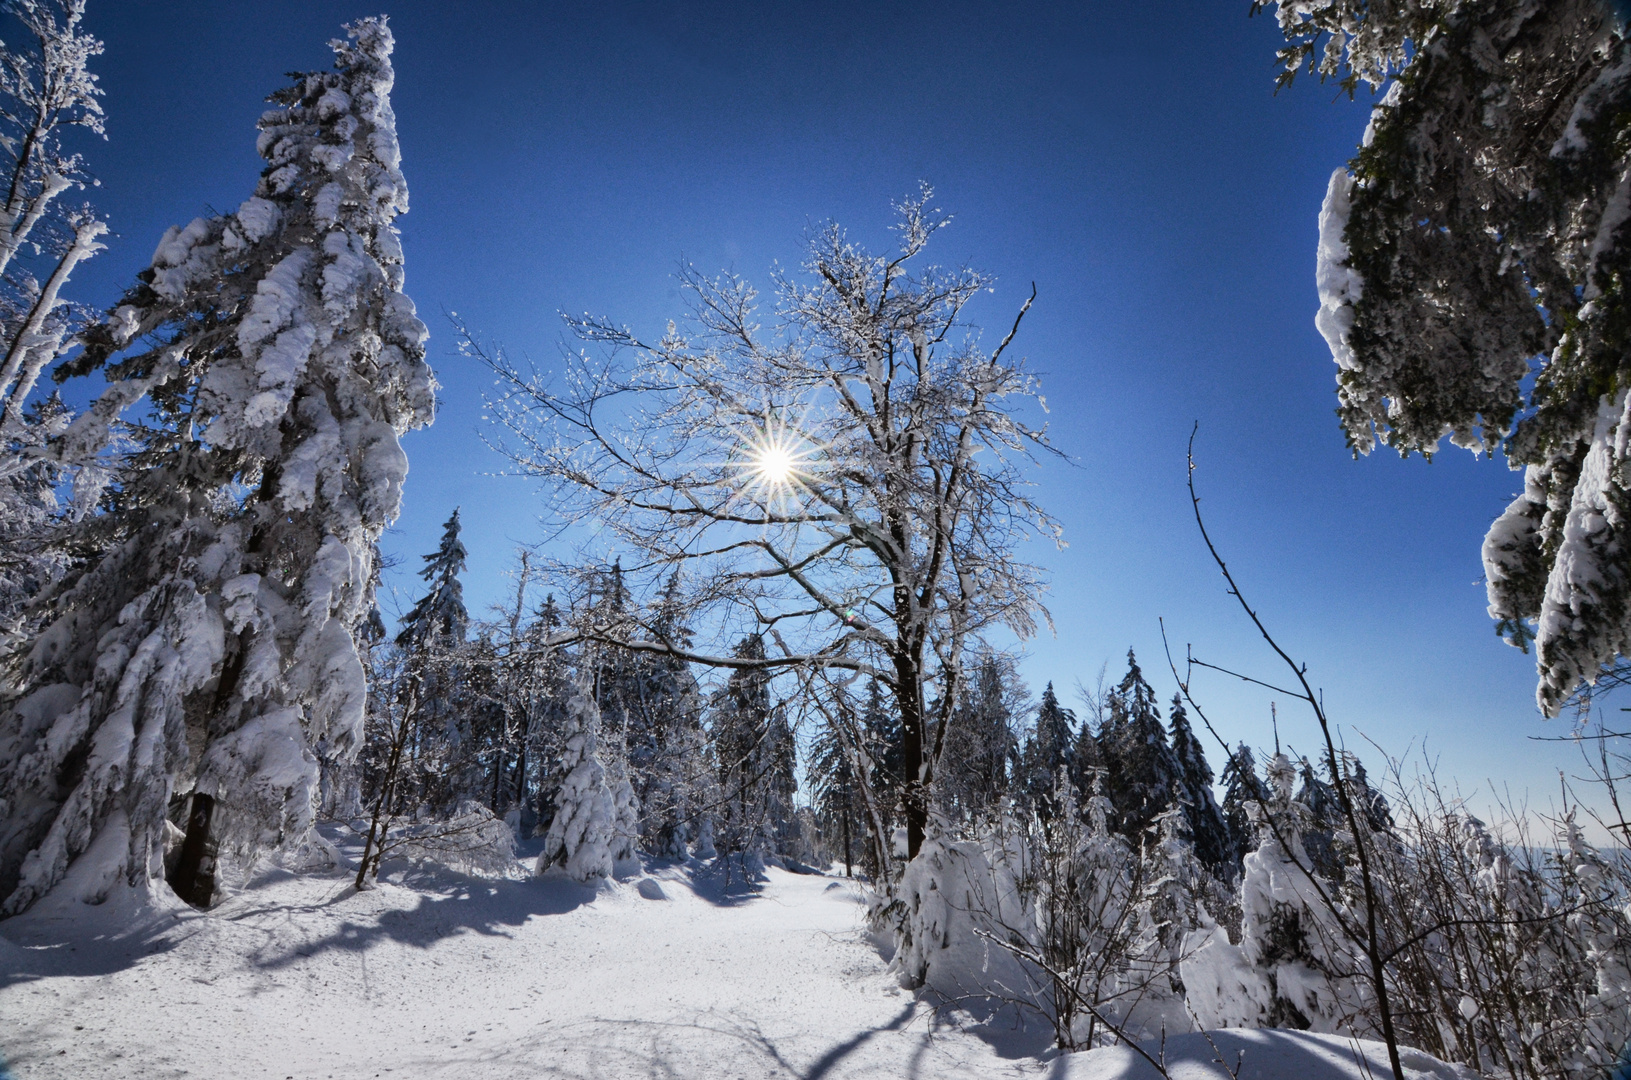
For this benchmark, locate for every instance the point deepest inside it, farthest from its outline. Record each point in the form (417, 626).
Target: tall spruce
(835, 791)
(1208, 832)
(1052, 747)
(209, 646)
(1142, 776)
(1243, 791)
(980, 743)
(439, 618)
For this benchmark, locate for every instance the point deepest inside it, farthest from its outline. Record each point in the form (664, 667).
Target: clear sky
(1130, 157)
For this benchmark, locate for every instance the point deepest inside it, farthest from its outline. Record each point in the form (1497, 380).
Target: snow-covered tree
(849, 476)
(835, 790)
(1051, 747)
(209, 645)
(756, 759)
(439, 618)
(1141, 772)
(980, 747)
(583, 832)
(1472, 268)
(1204, 822)
(1296, 964)
(45, 89)
(1242, 789)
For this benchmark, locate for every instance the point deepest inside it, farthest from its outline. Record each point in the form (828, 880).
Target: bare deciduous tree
(847, 482)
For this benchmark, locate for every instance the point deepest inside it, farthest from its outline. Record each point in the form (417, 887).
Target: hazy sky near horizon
(1130, 158)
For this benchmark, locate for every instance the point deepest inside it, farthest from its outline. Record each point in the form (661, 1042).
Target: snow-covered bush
(1295, 965)
(473, 841)
(947, 901)
(1513, 952)
(582, 834)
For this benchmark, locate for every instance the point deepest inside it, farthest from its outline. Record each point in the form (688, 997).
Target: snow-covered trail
(302, 977)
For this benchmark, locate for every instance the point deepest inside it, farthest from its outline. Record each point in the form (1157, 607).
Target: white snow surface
(432, 974)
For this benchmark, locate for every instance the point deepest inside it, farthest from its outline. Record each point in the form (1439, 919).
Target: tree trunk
(193, 878)
(914, 788)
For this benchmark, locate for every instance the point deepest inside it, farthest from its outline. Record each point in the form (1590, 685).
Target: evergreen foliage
(1141, 772)
(980, 744)
(1052, 747)
(1473, 264)
(207, 644)
(1204, 824)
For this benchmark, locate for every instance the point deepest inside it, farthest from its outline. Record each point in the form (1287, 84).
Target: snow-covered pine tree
(1323, 821)
(625, 810)
(1289, 935)
(432, 640)
(209, 645)
(1088, 758)
(1141, 772)
(756, 759)
(979, 746)
(1472, 269)
(778, 756)
(439, 618)
(582, 831)
(1204, 822)
(665, 740)
(882, 728)
(1177, 896)
(543, 683)
(1242, 789)
(836, 796)
(1051, 747)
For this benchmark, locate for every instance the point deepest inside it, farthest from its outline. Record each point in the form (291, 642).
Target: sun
(774, 464)
(776, 461)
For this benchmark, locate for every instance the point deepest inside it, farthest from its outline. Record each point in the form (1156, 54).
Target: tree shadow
(93, 942)
(1268, 1052)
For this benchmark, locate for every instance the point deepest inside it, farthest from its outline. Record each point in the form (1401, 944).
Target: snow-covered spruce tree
(660, 705)
(582, 831)
(439, 617)
(209, 645)
(850, 474)
(1296, 965)
(980, 747)
(1178, 895)
(1141, 772)
(1204, 824)
(432, 638)
(756, 760)
(1478, 239)
(835, 790)
(1242, 788)
(1051, 747)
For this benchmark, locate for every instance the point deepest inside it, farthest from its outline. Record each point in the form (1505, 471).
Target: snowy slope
(452, 977)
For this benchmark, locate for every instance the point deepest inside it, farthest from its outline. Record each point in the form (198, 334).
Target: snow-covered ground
(443, 976)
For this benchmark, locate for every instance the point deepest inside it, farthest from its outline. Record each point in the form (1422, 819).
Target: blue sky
(1131, 158)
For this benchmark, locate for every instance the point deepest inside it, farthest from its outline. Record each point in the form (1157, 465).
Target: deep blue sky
(1130, 157)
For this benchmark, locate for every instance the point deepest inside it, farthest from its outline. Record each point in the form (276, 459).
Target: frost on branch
(210, 646)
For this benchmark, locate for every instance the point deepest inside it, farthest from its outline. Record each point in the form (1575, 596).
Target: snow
(1340, 286)
(436, 975)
